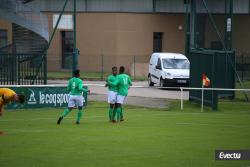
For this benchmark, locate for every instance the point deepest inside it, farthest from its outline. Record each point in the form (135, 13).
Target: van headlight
(168, 75)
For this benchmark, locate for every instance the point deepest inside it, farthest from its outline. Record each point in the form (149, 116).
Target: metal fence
(22, 69)
(98, 66)
(243, 65)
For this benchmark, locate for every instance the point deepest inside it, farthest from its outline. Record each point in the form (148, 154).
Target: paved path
(140, 90)
(139, 95)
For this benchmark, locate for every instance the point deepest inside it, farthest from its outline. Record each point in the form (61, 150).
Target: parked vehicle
(168, 69)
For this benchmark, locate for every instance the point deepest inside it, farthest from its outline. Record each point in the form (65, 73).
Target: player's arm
(107, 82)
(81, 88)
(2, 97)
(5, 99)
(114, 83)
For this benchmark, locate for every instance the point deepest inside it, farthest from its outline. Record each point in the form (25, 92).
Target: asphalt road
(139, 89)
(139, 94)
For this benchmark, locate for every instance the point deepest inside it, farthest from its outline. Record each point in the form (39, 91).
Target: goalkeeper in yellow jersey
(7, 96)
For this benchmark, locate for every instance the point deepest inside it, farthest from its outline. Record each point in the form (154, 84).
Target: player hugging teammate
(118, 86)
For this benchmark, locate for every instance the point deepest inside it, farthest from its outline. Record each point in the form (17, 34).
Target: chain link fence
(243, 65)
(98, 66)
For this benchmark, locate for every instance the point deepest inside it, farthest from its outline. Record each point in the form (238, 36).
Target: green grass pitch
(148, 137)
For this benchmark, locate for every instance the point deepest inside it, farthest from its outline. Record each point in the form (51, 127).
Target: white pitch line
(185, 123)
(167, 114)
(100, 116)
(204, 124)
(35, 119)
(26, 130)
(15, 131)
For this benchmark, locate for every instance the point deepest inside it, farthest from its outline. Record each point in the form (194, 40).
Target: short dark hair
(76, 72)
(21, 98)
(122, 69)
(114, 68)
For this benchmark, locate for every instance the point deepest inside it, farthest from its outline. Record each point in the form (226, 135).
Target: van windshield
(175, 63)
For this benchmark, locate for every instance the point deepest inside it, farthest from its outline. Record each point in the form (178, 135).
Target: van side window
(159, 62)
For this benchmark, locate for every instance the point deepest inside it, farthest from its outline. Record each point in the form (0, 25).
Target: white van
(168, 69)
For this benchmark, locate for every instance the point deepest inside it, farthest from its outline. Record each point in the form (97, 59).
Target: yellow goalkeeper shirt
(6, 96)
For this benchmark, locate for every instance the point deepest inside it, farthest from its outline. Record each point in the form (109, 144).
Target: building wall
(8, 26)
(121, 36)
(241, 33)
(210, 34)
(118, 37)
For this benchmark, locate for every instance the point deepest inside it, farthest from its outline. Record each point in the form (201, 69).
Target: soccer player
(123, 82)
(7, 95)
(76, 99)
(112, 93)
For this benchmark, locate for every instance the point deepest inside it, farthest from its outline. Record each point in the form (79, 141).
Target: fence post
(181, 98)
(242, 69)
(45, 72)
(134, 67)
(18, 70)
(102, 68)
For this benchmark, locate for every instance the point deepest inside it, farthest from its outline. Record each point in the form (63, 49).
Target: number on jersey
(125, 81)
(73, 85)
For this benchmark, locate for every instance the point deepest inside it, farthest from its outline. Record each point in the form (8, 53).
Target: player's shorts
(76, 101)
(112, 97)
(121, 99)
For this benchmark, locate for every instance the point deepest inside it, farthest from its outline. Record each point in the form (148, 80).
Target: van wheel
(162, 84)
(150, 83)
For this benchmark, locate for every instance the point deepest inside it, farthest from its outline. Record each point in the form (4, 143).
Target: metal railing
(98, 66)
(243, 65)
(21, 69)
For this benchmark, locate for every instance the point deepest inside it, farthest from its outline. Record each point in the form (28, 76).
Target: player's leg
(114, 113)
(122, 118)
(122, 109)
(114, 106)
(71, 105)
(121, 101)
(118, 112)
(64, 114)
(1, 107)
(111, 105)
(79, 102)
(79, 115)
(111, 111)
(1, 110)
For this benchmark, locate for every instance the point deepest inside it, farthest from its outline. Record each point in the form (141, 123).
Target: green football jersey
(75, 86)
(123, 82)
(110, 79)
